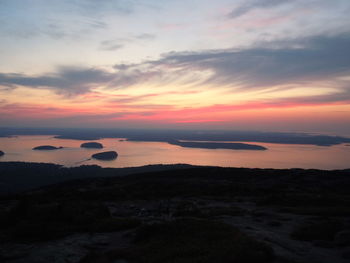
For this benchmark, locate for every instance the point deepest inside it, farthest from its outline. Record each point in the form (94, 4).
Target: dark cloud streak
(247, 6)
(68, 80)
(119, 43)
(319, 57)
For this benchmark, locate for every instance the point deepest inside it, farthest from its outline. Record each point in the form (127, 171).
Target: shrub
(190, 241)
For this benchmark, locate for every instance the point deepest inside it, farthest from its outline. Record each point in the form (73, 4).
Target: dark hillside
(191, 214)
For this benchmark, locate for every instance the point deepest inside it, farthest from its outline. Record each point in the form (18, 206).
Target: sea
(131, 154)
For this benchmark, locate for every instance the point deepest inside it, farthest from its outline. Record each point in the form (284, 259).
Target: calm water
(144, 153)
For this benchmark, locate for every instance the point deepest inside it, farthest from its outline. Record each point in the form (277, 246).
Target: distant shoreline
(183, 135)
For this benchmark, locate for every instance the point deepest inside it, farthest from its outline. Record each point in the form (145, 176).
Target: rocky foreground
(206, 214)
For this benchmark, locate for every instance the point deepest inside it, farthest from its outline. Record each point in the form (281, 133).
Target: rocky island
(92, 145)
(2, 153)
(105, 156)
(47, 147)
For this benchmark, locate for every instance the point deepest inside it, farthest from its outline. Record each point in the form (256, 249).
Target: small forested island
(105, 156)
(92, 145)
(2, 153)
(47, 147)
(219, 145)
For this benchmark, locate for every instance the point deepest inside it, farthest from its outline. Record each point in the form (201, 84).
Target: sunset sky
(270, 65)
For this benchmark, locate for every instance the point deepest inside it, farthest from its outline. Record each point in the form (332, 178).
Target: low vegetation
(29, 221)
(206, 214)
(189, 240)
(317, 229)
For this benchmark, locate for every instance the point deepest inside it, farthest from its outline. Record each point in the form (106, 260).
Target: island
(219, 145)
(92, 145)
(2, 153)
(105, 156)
(47, 147)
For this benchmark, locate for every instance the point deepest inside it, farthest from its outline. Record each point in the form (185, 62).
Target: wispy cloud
(112, 45)
(278, 64)
(282, 63)
(247, 6)
(59, 19)
(93, 8)
(119, 43)
(145, 36)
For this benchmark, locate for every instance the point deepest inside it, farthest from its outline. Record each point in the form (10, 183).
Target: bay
(131, 154)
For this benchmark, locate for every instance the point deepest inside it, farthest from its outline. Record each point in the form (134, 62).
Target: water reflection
(144, 153)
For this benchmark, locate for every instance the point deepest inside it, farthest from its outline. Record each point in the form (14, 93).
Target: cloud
(112, 45)
(77, 80)
(305, 60)
(341, 97)
(67, 80)
(247, 6)
(131, 99)
(97, 8)
(119, 43)
(294, 62)
(59, 19)
(133, 76)
(145, 36)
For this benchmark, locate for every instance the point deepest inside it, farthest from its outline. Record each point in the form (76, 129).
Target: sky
(266, 65)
